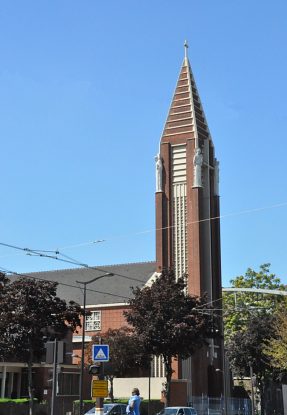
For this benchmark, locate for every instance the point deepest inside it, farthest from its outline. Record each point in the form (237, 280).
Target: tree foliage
(168, 322)
(247, 346)
(126, 353)
(30, 314)
(276, 347)
(238, 306)
(250, 324)
(246, 350)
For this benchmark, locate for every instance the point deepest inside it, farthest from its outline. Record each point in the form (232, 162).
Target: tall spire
(186, 198)
(185, 50)
(186, 119)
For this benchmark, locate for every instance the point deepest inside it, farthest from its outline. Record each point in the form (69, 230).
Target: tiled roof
(108, 290)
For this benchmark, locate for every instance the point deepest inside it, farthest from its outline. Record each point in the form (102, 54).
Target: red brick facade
(111, 318)
(186, 129)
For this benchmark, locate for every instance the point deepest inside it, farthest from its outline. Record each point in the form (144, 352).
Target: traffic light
(95, 369)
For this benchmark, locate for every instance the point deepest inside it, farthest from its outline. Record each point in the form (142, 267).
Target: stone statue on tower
(197, 167)
(216, 177)
(158, 173)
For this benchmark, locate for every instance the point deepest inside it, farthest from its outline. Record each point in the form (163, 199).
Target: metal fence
(217, 406)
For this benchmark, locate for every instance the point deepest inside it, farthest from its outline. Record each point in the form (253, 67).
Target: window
(157, 367)
(68, 383)
(93, 321)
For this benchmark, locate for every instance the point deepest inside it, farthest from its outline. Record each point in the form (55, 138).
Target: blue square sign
(101, 353)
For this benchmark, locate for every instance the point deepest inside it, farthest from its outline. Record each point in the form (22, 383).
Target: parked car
(178, 410)
(111, 409)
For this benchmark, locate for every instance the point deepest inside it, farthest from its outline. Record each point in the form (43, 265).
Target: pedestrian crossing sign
(101, 353)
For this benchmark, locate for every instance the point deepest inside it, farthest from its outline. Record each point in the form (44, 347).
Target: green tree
(238, 306)
(168, 322)
(276, 347)
(246, 349)
(31, 313)
(126, 353)
(249, 325)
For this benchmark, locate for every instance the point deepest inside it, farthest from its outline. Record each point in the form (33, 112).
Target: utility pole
(55, 377)
(149, 385)
(252, 391)
(85, 283)
(99, 407)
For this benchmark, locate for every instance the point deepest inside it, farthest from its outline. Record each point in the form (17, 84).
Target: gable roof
(108, 290)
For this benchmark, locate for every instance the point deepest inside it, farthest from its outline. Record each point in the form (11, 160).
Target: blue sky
(85, 90)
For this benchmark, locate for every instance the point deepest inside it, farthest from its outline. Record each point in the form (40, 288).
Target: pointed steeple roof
(186, 119)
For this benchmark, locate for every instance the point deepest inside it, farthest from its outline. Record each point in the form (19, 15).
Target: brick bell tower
(187, 217)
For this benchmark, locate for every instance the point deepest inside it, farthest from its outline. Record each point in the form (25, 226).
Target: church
(187, 240)
(187, 214)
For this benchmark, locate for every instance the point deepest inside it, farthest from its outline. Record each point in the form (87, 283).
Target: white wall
(123, 387)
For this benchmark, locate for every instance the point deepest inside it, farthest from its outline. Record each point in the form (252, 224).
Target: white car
(178, 410)
(111, 409)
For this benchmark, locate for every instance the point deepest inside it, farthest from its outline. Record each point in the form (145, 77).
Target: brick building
(187, 239)
(187, 217)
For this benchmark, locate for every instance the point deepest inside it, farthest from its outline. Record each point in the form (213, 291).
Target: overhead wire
(208, 311)
(211, 218)
(73, 261)
(69, 260)
(45, 253)
(209, 303)
(76, 262)
(203, 311)
(88, 289)
(235, 308)
(246, 211)
(60, 283)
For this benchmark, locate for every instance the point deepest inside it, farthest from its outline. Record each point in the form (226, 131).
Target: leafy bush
(18, 400)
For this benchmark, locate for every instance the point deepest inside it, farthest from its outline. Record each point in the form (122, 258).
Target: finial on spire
(185, 48)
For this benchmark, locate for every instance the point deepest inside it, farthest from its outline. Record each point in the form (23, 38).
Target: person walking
(133, 407)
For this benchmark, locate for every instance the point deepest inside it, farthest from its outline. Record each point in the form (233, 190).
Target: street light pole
(149, 384)
(252, 390)
(55, 377)
(85, 283)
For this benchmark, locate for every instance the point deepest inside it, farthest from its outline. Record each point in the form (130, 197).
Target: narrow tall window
(179, 209)
(93, 321)
(157, 367)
